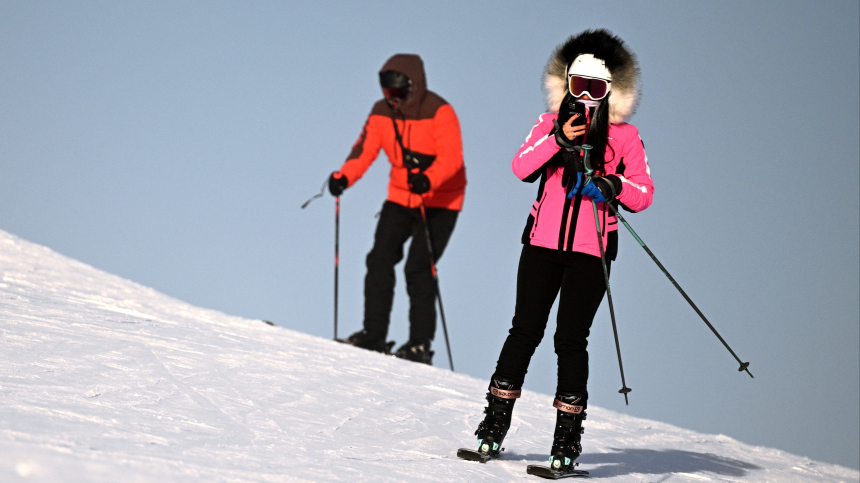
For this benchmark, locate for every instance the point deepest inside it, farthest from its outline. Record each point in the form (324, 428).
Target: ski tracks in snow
(103, 380)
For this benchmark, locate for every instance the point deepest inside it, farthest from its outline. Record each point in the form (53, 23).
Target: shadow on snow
(648, 461)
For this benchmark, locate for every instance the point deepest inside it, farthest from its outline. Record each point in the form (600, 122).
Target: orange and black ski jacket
(427, 126)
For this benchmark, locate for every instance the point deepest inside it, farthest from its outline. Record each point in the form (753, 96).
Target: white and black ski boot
(416, 351)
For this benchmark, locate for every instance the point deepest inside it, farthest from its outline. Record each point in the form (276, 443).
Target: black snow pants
(397, 224)
(543, 273)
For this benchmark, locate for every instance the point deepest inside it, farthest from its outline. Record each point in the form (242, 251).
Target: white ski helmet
(587, 65)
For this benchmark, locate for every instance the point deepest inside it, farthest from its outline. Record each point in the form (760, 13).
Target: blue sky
(173, 143)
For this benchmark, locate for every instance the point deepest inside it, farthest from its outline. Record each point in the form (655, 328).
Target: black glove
(418, 183)
(602, 189)
(573, 167)
(337, 183)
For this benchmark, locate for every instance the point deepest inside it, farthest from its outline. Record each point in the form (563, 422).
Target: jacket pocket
(537, 215)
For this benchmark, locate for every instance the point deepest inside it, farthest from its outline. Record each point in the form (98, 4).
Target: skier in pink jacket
(591, 80)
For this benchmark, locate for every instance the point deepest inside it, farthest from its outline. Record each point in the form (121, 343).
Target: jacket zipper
(537, 215)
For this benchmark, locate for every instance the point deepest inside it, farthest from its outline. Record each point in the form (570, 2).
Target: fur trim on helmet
(621, 62)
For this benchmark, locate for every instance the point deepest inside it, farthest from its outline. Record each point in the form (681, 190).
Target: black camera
(414, 159)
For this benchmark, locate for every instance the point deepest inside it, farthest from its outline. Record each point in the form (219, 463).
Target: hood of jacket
(620, 61)
(411, 66)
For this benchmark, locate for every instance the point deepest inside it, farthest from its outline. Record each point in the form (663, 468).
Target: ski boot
(416, 351)
(373, 341)
(566, 447)
(492, 430)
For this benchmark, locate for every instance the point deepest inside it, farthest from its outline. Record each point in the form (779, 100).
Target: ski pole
(436, 281)
(744, 365)
(336, 245)
(588, 171)
(336, 256)
(322, 190)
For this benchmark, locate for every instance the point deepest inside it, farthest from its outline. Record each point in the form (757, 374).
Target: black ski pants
(397, 224)
(544, 273)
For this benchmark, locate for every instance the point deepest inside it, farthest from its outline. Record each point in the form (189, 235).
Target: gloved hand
(603, 188)
(337, 182)
(572, 165)
(419, 183)
(577, 187)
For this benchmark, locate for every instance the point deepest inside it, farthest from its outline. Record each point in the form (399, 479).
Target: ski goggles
(398, 93)
(595, 88)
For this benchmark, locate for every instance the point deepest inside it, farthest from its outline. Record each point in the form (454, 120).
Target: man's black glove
(418, 183)
(337, 183)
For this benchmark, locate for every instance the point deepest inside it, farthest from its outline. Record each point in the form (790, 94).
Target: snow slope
(103, 380)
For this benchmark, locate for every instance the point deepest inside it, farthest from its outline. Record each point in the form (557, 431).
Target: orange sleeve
(364, 152)
(449, 145)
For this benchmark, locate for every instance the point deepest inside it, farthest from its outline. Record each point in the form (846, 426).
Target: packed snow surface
(103, 380)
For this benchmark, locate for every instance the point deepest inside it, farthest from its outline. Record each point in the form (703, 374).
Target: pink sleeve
(638, 188)
(538, 147)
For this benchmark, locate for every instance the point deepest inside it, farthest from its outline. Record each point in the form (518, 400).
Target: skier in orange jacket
(420, 134)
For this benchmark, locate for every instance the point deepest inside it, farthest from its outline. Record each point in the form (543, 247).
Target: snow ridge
(102, 379)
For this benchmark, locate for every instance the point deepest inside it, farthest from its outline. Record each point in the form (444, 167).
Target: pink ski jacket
(560, 223)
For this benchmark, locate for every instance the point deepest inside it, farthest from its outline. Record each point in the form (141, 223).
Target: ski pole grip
(586, 149)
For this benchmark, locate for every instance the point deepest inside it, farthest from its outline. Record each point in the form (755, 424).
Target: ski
(549, 473)
(473, 455)
(388, 345)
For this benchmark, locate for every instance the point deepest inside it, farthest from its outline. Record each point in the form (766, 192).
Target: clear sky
(173, 144)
